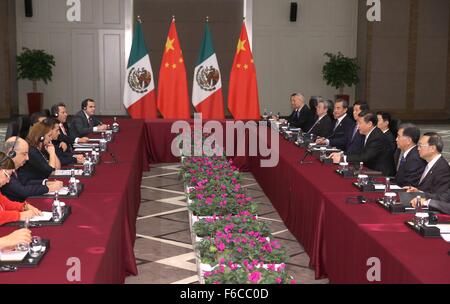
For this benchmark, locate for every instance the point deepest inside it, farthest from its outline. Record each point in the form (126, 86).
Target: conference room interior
(402, 52)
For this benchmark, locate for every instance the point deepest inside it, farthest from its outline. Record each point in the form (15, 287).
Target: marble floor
(163, 249)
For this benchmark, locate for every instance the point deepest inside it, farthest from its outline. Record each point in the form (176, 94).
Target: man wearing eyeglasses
(435, 178)
(15, 190)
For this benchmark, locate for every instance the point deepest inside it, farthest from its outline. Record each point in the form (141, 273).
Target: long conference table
(100, 233)
(341, 239)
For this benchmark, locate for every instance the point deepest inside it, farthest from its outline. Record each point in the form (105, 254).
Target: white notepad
(68, 172)
(381, 187)
(13, 256)
(62, 191)
(46, 216)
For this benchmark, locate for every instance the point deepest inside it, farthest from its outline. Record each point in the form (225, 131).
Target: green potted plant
(340, 71)
(35, 65)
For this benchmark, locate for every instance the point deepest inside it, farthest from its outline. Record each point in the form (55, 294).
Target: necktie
(297, 114)
(91, 123)
(401, 162)
(61, 126)
(354, 131)
(425, 172)
(336, 125)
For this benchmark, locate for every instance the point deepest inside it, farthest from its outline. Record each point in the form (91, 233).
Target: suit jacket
(440, 202)
(342, 133)
(375, 155)
(304, 120)
(67, 138)
(323, 128)
(409, 173)
(437, 179)
(36, 168)
(15, 190)
(65, 157)
(80, 127)
(354, 143)
(391, 139)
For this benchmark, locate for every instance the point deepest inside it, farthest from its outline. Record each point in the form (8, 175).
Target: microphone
(113, 157)
(302, 161)
(360, 200)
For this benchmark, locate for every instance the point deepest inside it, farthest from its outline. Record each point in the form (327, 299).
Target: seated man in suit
(375, 154)
(342, 129)
(17, 149)
(436, 202)
(408, 162)
(301, 116)
(384, 124)
(65, 139)
(84, 122)
(436, 176)
(323, 126)
(355, 140)
(65, 157)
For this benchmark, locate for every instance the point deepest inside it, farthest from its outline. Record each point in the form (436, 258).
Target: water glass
(421, 219)
(35, 246)
(109, 135)
(390, 198)
(343, 166)
(363, 179)
(323, 153)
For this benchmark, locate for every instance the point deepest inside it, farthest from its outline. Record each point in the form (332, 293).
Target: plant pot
(35, 101)
(345, 97)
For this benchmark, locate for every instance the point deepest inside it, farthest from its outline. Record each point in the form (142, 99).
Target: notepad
(446, 237)
(46, 216)
(62, 191)
(68, 172)
(83, 149)
(13, 256)
(381, 187)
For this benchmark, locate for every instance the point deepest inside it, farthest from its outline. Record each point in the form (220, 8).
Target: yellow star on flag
(180, 60)
(174, 66)
(245, 66)
(167, 65)
(238, 65)
(169, 44)
(241, 45)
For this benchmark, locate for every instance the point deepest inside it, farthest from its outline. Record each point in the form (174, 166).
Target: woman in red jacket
(12, 211)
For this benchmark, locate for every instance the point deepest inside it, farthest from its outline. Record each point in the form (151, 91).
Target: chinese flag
(243, 92)
(173, 98)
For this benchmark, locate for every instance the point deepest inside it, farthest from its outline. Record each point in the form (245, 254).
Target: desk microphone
(113, 157)
(302, 161)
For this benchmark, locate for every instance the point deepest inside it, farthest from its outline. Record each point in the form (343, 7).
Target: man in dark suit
(384, 124)
(374, 155)
(323, 126)
(436, 176)
(355, 140)
(84, 122)
(408, 162)
(343, 127)
(59, 112)
(15, 190)
(436, 202)
(301, 116)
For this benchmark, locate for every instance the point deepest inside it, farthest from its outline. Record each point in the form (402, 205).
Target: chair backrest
(12, 130)
(24, 126)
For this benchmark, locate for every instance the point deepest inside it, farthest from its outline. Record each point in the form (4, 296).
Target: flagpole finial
(207, 18)
(173, 17)
(139, 19)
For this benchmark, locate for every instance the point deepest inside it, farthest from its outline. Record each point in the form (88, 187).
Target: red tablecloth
(102, 228)
(337, 236)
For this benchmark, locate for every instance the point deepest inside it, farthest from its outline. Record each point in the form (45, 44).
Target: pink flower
(216, 282)
(278, 280)
(293, 282)
(254, 277)
(239, 249)
(271, 267)
(221, 261)
(221, 246)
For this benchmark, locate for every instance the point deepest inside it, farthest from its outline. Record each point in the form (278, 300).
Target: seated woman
(65, 156)
(12, 211)
(42, 155)
(15, 238)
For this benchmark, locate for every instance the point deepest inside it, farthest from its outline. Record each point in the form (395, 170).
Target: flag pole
(139, 19)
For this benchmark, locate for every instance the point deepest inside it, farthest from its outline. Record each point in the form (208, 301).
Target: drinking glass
(35, 246)
(363, 179)
(390, 198)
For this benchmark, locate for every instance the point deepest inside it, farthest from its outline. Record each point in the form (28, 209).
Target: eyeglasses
(6, 174)
(423, 145)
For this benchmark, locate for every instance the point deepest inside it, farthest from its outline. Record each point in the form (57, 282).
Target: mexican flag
(139, 92)
(207, 84)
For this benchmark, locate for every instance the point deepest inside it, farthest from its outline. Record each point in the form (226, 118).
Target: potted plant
(35, 65)
(340, 71)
